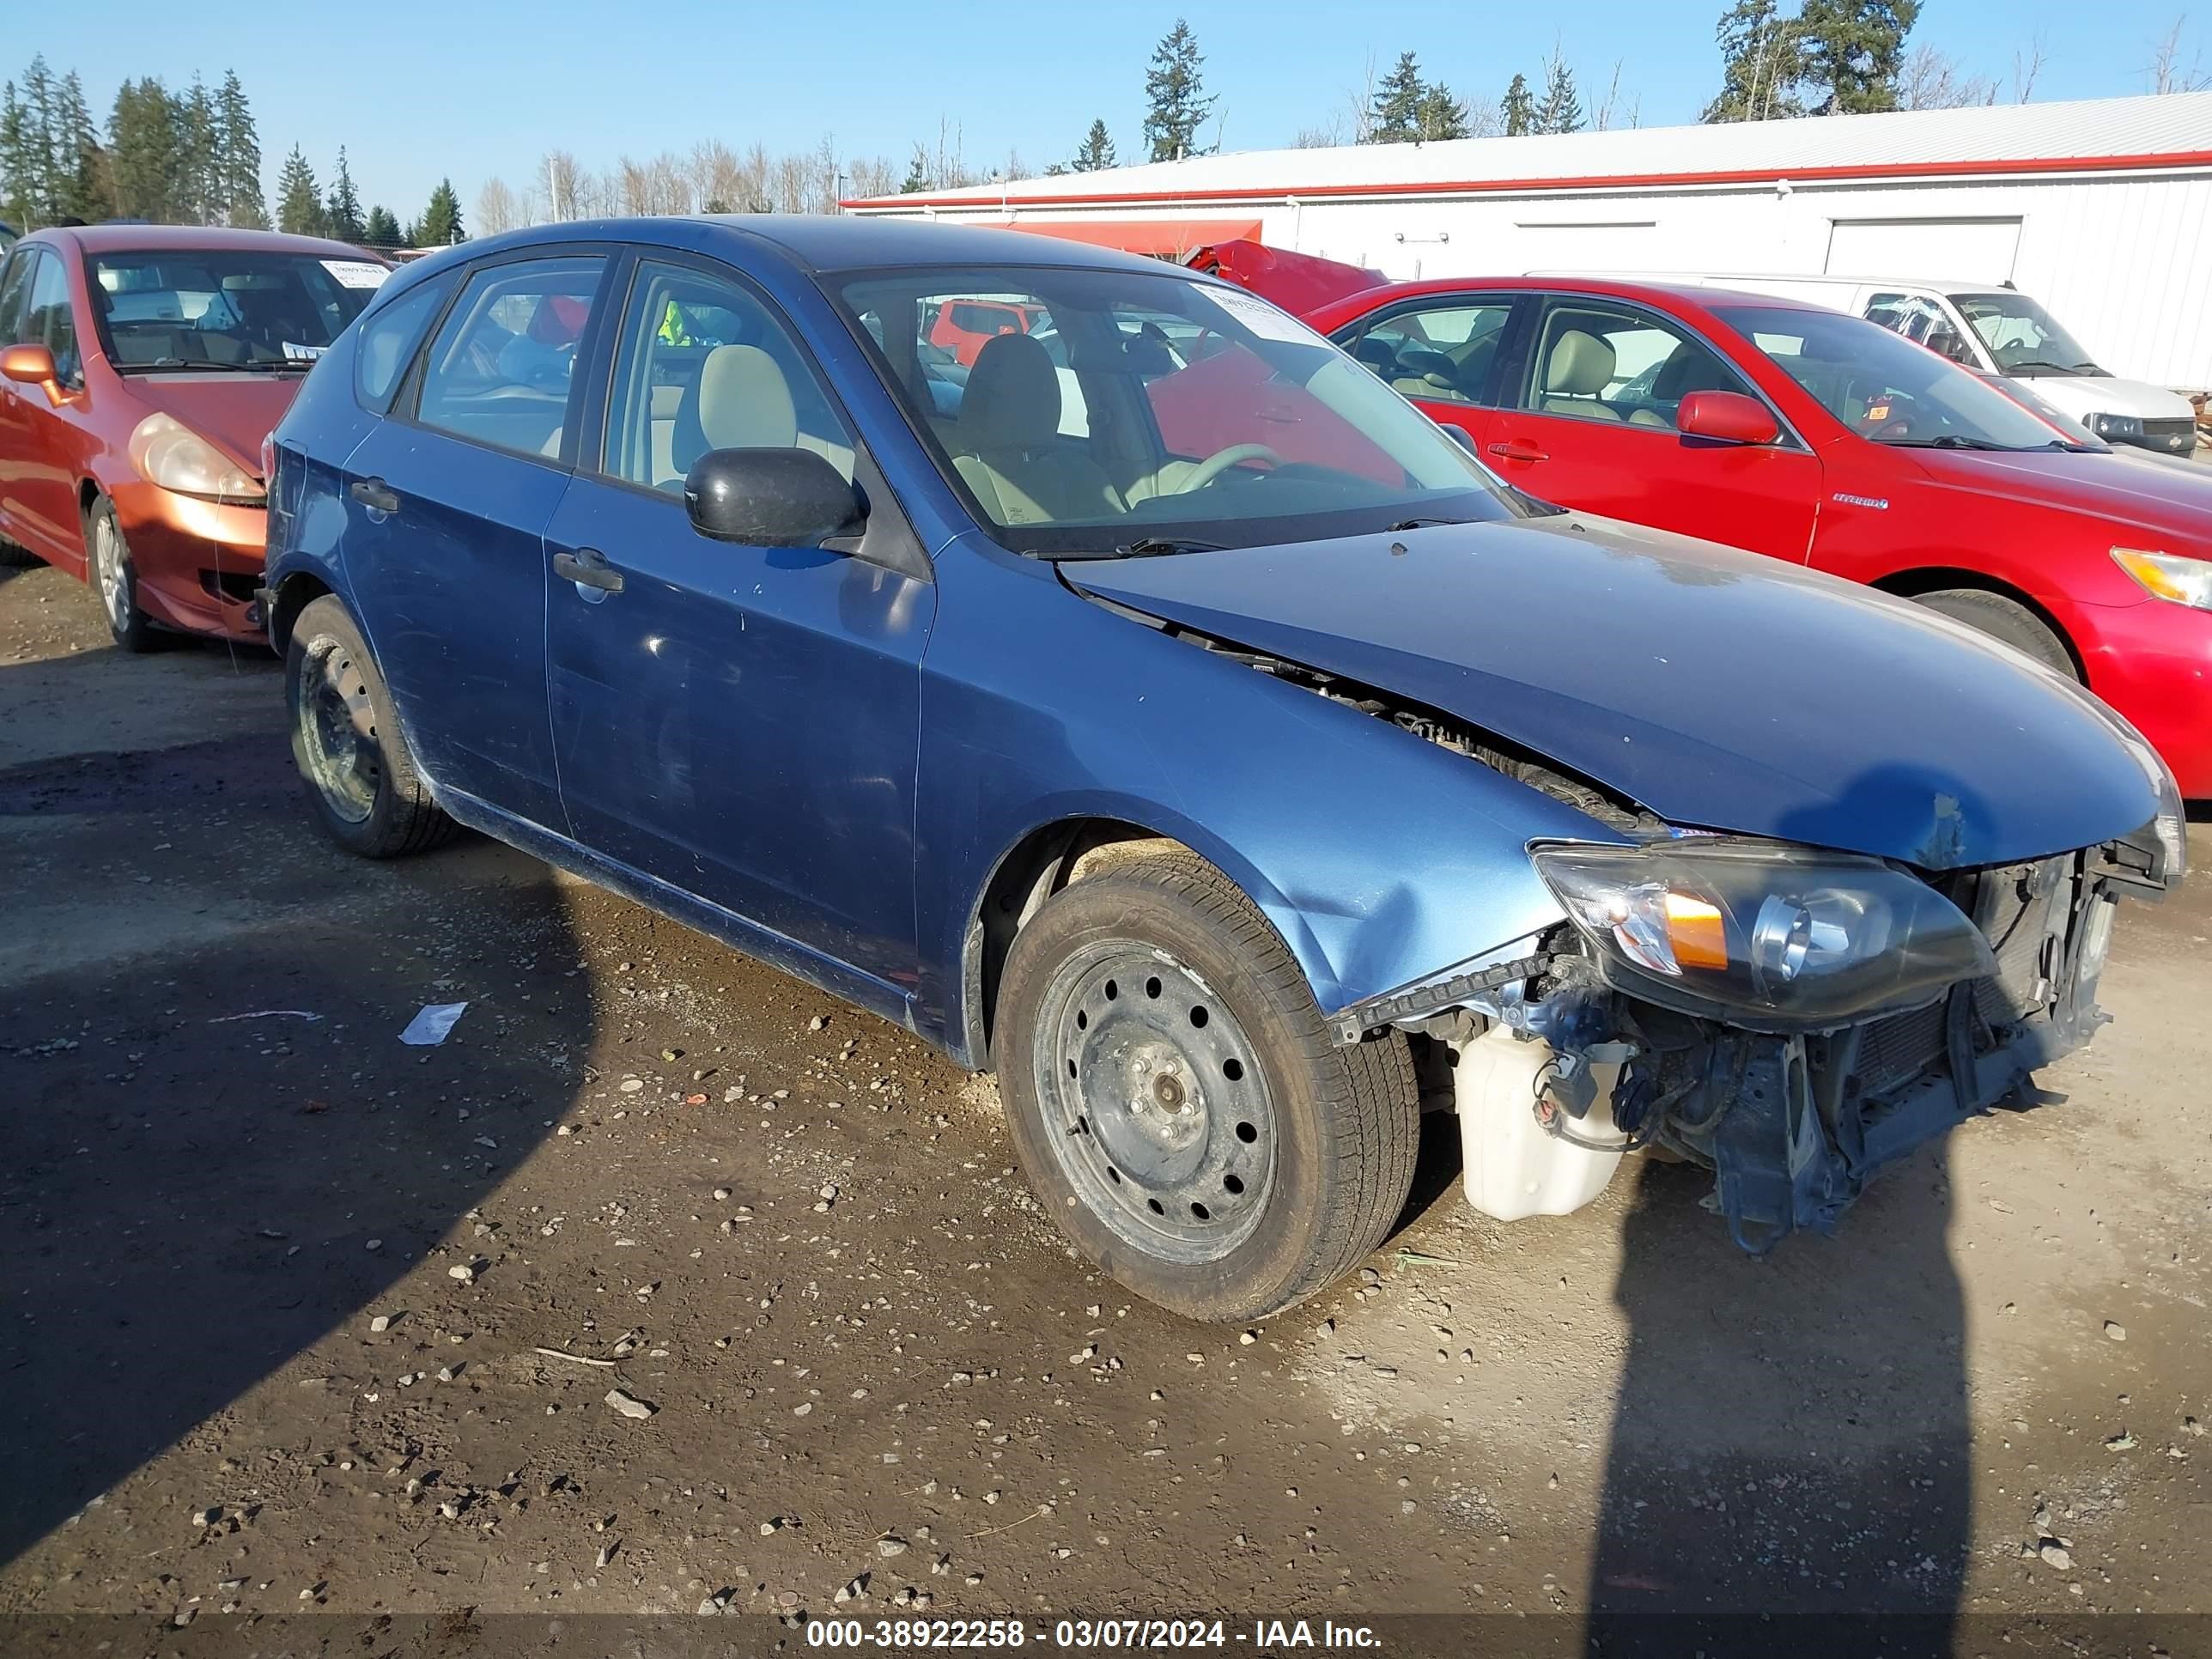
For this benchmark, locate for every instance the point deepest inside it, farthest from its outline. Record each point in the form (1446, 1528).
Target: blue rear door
(741, 722)
(446, 505)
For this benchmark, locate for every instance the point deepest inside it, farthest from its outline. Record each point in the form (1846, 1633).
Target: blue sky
(415, 91)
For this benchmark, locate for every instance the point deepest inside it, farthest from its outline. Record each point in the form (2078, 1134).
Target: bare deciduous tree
(873, 175)
(1929, 79)
(1615, 111)
(557, 180)
(497, 208)
(2026, 67)
(2168, 72)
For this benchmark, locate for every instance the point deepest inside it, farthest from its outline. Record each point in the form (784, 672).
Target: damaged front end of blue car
(1803, 934)
(1791, 1018)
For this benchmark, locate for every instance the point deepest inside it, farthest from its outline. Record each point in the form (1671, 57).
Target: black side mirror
(1462, 436)
(771, 498)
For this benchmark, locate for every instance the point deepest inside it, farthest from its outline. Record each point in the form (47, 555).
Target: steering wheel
(1222, 459)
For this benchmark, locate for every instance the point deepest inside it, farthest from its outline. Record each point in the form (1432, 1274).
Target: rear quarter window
(389, 336)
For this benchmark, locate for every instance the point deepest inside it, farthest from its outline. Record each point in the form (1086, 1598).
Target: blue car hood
(1720, 690)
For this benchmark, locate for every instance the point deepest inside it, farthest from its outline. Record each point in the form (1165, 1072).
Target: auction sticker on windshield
(1263, 319)
(357, 273)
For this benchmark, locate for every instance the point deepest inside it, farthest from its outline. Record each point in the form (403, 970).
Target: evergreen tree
(1562, 109)
(298, 203)
(1761, 61)
(1439, 115)
(1519, 108)
(441, 225)
(238, 157)
(1853, 49)
(143, 152)
(341, 219)
(196, 191)
(1096, 152)
(18, 171)
(30, 152)
(1175, 103)
(381, 228)
(917, 174)
(80, 164)
(1395, 113)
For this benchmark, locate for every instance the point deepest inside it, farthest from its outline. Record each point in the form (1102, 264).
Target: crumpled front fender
(1382, 859)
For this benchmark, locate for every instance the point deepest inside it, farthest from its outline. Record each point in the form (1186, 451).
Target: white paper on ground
(433, 1025)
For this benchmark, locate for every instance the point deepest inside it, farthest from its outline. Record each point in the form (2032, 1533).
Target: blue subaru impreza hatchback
(1230, 808)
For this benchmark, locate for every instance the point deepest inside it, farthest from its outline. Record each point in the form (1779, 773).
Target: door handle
(375, 494)
(588, 568)
(1519, 449)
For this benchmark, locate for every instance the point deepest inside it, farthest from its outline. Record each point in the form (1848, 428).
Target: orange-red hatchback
(140, 366)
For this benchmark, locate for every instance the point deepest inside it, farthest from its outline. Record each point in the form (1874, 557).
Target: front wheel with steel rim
(346, 741)
(1179, 1103)
(109, 571)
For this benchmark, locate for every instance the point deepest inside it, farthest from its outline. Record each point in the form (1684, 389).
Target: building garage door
(1968, 250)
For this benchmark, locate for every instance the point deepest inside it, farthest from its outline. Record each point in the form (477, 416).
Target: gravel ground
(666, 1285)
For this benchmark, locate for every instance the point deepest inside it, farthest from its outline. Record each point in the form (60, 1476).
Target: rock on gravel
(628, 1407)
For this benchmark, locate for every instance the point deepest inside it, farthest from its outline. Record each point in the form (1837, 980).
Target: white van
(1997, 330)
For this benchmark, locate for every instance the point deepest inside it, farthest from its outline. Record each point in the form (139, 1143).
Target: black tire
(2004, 619)
(16, 557)
(346, 741)
(134, 631)
(1341, 1124)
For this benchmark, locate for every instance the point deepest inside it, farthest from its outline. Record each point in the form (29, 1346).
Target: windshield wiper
(1420, 524)
(185, 366)
(1951, 440)
(1154, 547)
(1144, 547)
(2056, 368)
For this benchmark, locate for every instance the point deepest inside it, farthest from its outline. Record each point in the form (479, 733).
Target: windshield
(1885, 388)
(1095, 412)
(2022, 336)
(199, 307)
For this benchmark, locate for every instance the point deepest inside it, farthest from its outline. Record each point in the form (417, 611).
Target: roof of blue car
(843, 242)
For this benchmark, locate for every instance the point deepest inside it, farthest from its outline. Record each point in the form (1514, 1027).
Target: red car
(964, 327)
(140, 366)
(1826, 440)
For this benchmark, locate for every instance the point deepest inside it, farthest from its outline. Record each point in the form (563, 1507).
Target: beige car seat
(741, 400)
(1006, 444)
(1577, 372)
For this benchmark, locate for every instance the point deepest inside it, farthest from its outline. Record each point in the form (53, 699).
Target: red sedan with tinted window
(141, 367)
(1826, 440)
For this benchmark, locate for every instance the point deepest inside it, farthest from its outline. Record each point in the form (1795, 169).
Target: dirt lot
(298, 1317)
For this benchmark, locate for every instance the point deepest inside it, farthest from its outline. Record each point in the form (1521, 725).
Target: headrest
(1012, 397)
(745, 402)
(1582, 365)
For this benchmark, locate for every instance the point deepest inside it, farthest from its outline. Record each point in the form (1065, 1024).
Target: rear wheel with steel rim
(346, 741)
(114, 579)
(1178, 1101)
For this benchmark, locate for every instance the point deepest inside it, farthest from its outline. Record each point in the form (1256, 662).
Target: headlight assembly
(2117, 428)
(1764, 935)
(2168, 576)
(169, 453)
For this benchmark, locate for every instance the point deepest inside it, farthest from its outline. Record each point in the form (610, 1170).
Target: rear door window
(503, 366)
(387, 343)
(1443, 352)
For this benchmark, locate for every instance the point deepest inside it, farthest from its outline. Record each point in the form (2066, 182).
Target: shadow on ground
(216, 1147)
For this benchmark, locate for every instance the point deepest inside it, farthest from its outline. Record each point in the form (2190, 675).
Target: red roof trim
(2013, 165)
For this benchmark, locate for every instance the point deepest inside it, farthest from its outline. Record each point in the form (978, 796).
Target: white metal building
(2102, 210)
